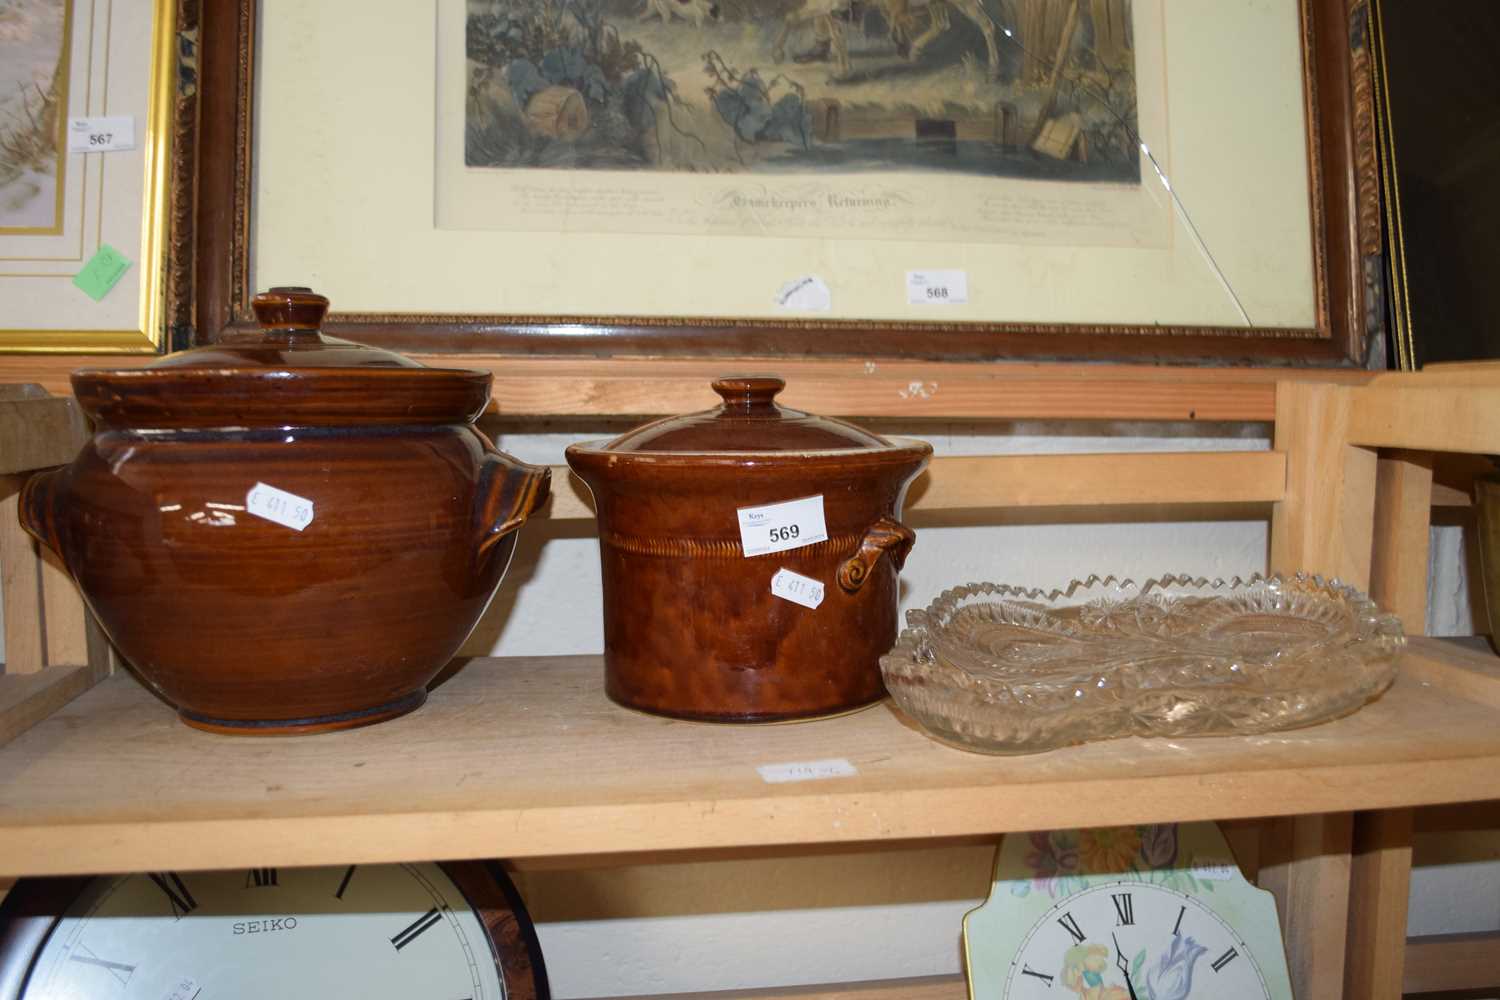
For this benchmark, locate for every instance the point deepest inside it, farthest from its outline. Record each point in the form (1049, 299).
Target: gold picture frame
(141, 326)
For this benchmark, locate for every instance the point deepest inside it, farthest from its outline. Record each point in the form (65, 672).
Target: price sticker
(286, 509)
(103, 271)
(937, 288)
(810, 770)
(184, 989)
(776, 527)
(100, 134)
(1211, 871)
(808, 292)
(798, 589)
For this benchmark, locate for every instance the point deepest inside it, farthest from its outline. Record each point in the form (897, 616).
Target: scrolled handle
(886, 537)
(509, 493)
(38, 509)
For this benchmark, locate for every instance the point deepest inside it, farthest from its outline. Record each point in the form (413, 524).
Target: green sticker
(102, 272)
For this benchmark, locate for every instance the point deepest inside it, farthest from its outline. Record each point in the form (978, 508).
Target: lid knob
(749, 393)
(290, 310)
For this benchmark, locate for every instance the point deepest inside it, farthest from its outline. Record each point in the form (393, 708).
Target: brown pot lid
(287, 373)
(749, 420)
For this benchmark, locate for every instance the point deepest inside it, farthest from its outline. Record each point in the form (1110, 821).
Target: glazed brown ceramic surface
(691, 628)
(246, 624)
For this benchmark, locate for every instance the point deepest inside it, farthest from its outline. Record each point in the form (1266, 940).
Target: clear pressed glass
(1003, 669)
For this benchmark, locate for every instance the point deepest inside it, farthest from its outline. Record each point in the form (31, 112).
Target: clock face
(367, 931)
(1128, 940)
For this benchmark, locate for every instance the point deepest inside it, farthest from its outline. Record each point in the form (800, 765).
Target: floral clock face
(1153, 912)
(1129, 940)
(449, 932)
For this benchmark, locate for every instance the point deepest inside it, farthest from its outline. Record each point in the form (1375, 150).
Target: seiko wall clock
(440, 932)
(1157, 912)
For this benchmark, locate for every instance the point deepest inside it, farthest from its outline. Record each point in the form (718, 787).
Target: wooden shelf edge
(705, 825)
(1420, 416)
(927, 795)
(527, 387)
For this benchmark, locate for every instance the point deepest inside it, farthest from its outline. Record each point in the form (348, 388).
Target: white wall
(872, 915)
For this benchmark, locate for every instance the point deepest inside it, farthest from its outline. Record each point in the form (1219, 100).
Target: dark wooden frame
(1344, 206)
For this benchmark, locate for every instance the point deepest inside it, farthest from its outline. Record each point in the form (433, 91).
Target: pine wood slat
(1444, 962)
(20, 586)
(26, 699)
(1403, 516)
(872, 388)
(36, 430)
(66, 638)
(1305, 865)
(1325, 522)
(525, 757)
(1380, 889)
(1460, 817)
(964, 482)
(540, 386)
(1453, 476)
(1430, 418)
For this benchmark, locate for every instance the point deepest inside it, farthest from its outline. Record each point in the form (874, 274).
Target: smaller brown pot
(255, 613)
(691, 626)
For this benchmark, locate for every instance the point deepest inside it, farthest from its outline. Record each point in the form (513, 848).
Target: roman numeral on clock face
(1124, 909)
(1027, 970)
(1177, 927)
(1224, 960)
(416, 927)
(178, 897)
(260, 878)
(348, 874)
(119, 970)
(1071, 926)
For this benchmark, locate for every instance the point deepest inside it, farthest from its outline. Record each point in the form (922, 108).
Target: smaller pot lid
(287, 373)
(748, 421)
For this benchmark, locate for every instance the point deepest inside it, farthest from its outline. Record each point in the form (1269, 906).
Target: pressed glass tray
(1001, 669)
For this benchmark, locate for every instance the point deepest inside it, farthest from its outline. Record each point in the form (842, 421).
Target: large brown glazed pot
(266, 614)
(691, 627)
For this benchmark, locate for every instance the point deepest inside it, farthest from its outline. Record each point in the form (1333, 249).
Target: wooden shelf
(528, 387)
(525, 758)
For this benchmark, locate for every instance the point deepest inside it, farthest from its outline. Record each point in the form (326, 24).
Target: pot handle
(509, 493)
(886, 536)
(38, 503)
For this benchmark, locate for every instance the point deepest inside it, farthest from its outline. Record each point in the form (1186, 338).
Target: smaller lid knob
(749, 393)
(290, 310)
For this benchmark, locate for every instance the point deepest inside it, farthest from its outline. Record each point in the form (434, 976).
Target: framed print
(1148, 180)
(88, 92)
(1440, 156)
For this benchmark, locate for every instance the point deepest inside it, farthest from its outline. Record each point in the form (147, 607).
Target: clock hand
(1124, 966)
